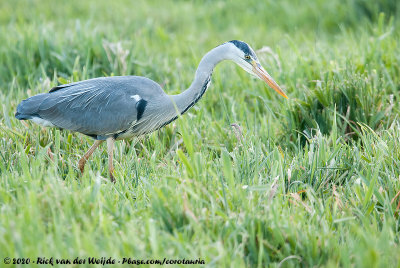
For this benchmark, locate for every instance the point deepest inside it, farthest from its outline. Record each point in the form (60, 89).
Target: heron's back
(98, 107)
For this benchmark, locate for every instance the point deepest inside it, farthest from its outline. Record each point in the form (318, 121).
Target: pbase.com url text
(99, 261)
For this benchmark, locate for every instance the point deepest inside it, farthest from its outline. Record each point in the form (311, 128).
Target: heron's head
(244, 56)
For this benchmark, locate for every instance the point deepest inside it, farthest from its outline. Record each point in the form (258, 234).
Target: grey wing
(98, 107)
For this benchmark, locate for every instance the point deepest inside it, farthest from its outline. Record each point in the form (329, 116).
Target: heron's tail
(29, 108)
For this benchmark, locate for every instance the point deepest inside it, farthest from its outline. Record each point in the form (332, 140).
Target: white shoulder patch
(136, 97)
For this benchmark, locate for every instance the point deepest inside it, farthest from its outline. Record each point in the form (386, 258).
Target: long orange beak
(259, 70)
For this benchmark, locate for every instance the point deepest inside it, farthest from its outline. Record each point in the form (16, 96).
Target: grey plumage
(110, 108)
(99, 107)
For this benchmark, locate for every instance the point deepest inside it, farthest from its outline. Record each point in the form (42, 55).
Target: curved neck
(191, 96)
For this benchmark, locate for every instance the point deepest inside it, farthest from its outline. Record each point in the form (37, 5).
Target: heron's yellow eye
(247, 57)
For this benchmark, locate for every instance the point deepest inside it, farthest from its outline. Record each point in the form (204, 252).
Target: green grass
(309, 181)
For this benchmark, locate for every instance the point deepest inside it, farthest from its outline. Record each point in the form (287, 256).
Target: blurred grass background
(311, 181)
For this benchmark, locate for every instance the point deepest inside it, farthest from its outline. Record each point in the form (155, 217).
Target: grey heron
(121, 107)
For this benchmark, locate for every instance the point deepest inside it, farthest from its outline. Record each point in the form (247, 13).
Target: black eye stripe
(244, 47)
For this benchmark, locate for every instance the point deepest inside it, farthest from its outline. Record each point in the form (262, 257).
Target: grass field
(309, 181)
